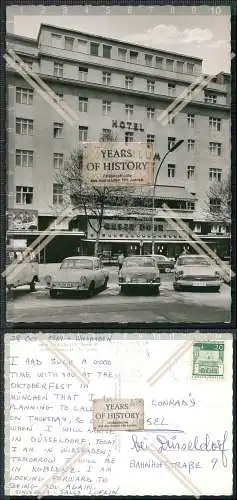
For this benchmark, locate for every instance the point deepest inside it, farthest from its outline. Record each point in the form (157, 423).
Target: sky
(204, 34)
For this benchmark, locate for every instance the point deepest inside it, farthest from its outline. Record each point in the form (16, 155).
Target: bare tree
(219, 201)
(93, 201)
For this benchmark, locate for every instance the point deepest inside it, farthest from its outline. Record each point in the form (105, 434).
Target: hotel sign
(136, 127)
(22, 220)
(118, 164)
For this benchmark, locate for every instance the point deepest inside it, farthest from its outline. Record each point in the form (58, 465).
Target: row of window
(25, 158)
(24, 126)
(24, 196)
(126, 55)
(25, 96)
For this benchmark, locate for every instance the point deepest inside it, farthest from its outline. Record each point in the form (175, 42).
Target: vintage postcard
(119, 164)
(118, 414)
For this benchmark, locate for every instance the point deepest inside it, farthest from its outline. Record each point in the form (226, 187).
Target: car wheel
(167, 270)
(53, 294)
(91, 290)
(32, 286)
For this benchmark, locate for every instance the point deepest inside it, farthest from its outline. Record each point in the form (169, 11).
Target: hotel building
(120, 88)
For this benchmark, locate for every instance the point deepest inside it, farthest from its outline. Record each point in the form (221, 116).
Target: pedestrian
(120, 260)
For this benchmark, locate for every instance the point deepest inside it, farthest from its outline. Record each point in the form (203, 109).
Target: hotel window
(128, 82)
(150, 85)
(122, 54)
(171, 142)
(150, 112)
(148, 59)
(24, 195)
(57, 130)
(82, 46)
(56, 40)
(24, 126)
(190, 205)
(107, 51)
(191, 145)
(171, 118)
(215, 148)
(24, 158)
(180, 66)
(171, 170)
(106, 134)
(210, 98)
(133, 56)
(83, 104)
(190, 171)
(27, 61)
(68, 43)
(59, 96)
(215, 205)
(129, 110)
(190, 68)
(171, 89)
(150, 139)
(159, 62)
(94, 49)
(58, 69)
(215, 123)
(24, 96)
(83, 133)
(215, 174)
(106, 107)
(58, 160)
(191, 120)
(129, 136)
(169, 64)
(83, 73)
(106, 77)
(57, 194)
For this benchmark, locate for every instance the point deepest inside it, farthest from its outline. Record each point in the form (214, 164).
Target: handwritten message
(53, 384)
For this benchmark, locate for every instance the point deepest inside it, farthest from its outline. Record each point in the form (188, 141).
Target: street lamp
(175, 146)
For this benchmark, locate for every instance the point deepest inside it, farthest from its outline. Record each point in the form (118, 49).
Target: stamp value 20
(208, 360)
(118, 414)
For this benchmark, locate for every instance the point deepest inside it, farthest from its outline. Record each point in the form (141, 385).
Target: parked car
(196, 271)
(139, 272)
(79, 274)
(165, 264)
(23, 268)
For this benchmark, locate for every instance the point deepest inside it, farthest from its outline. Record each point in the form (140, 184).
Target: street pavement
(109, 306)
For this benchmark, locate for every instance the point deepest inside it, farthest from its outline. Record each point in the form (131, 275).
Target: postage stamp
(208, 360)
(118, 414)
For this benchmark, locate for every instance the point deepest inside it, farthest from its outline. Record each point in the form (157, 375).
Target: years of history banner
(118, 164)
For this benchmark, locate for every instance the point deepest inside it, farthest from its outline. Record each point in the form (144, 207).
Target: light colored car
(139, 271)
(79, 274)
(196, 271)
(23, 268)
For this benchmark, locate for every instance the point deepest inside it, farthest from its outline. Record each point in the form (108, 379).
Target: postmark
(208, 360)
(118, 414)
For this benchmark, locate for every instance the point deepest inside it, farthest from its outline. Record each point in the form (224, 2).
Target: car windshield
(77, 264)
(188, 261)
(146, 262)
(160, 257)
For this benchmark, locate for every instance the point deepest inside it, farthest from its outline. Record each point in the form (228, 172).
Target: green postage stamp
(208, 360)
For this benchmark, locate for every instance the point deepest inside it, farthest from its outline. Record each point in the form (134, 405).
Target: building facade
(108, 86)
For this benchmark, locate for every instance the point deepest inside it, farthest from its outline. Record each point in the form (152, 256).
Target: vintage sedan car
(79, 274)
(139, 272)
(196, 271)
(165, 264)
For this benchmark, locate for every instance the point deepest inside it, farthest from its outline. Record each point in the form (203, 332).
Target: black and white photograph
(118, 164)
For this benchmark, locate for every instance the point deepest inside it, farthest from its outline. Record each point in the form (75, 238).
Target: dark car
(165, 264)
